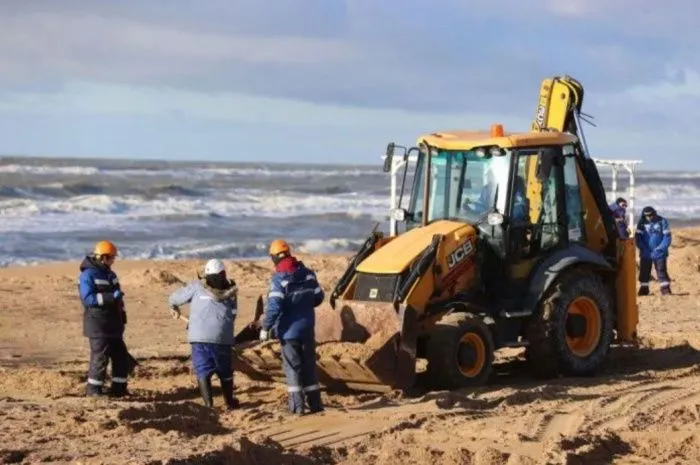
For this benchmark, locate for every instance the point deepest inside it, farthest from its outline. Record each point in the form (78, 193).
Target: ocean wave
(173, 190)
(685, 192)
(202, 251)
(49, 170)
(189, 172)
(96, 211)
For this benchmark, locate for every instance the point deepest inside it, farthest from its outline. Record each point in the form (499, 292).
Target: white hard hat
(214, 266)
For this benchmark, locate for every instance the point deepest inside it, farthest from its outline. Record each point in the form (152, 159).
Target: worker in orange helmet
(294, 295)
(104, 319)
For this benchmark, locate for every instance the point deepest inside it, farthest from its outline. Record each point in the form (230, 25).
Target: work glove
(118, 295)
(264, 335)
(175, 312)
(657, 254)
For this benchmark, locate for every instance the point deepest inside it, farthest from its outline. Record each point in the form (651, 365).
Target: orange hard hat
(279, 246)
(105, 248)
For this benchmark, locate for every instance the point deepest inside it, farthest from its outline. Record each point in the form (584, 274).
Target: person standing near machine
(619, 213)
(653, 239)
(294, 295)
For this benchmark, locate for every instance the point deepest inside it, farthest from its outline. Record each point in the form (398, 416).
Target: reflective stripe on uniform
(276, 294)
(667, 231)
(116, 379)
(664, 284)
(100, 299)
(102, 282)
(95, 382)
(293, 389)
(313, 387)
(227, 379)
(317, 290)
(309, 277)
(644, 284)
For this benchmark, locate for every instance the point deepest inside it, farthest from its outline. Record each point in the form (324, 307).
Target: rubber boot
(205, 390)
(295, 402)
(118, 390)
(227, 389)
(644, 290)
(313, 398)
(92, 390)
(666, 290)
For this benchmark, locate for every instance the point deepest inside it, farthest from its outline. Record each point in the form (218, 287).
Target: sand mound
(37, 382)
(356, 350)
(248, 453)
(586, 449)
(152, 276)
(187, 418)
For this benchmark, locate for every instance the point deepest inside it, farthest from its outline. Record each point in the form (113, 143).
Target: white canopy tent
(629, 166)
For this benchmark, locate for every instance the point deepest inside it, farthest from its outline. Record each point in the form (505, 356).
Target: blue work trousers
(661, 272)
(209, 359)
(299, 363)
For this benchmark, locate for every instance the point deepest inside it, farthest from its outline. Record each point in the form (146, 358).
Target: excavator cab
(506, 241)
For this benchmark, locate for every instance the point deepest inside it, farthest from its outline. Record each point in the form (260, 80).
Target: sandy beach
(643, 408)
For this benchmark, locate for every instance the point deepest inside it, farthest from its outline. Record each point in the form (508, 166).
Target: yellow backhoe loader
(507, 242)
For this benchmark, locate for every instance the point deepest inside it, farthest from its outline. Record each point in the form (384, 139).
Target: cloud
(352, 63)
(439, 56)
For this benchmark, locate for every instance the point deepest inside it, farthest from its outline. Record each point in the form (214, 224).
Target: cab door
(537, 210)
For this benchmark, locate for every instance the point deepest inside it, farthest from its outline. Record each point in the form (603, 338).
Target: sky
(332, 81)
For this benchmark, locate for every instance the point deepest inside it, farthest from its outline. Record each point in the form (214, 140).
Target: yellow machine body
(431, 292)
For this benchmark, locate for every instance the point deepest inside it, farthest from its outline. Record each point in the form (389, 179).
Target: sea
(56, 209)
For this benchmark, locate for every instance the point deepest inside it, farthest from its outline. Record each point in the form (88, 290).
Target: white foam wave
(205, 173)
(98, 211)
(671, 200)
(49, 170)
(195, 250)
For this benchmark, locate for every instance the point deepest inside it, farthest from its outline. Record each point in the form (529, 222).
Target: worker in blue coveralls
(619, 214)
(213, 308)
(104, 320)
(653, 239)
(294, 294)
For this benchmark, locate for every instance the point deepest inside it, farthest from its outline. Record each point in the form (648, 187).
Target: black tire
(549, 353)
(447, 344)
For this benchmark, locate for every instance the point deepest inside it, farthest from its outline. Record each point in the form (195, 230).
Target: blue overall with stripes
(294, 294)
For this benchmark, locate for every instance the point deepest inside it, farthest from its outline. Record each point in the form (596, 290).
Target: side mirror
(389, 156)
(494, 219)
(398, 214)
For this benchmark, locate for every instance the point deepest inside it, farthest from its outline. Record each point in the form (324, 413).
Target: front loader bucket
(363, 346)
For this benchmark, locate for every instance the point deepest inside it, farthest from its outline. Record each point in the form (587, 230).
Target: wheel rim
(585, 344)
(471, 355)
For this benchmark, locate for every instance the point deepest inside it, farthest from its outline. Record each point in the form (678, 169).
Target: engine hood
(398, 254)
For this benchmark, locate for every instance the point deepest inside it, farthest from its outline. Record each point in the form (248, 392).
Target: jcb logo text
(462, 252)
